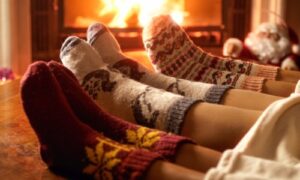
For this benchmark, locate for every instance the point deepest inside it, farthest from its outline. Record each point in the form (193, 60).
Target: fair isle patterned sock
(168, 52)
(121, 96)
(173, 53)
(67, 145)
(103, 41)
(166, 144)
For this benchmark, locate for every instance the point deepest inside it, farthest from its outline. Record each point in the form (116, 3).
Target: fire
(123, 11)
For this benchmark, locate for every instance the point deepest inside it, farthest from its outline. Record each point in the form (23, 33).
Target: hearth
(207, 22)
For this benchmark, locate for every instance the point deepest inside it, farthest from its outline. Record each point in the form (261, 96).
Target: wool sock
(173, 53)
(69, 146)
(117, 129)
(99, 36)
(121, 96)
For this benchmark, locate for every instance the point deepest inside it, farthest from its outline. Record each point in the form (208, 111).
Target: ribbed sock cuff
(177, 113)
(215, 93)
(136, 164)
(168, 145)
(252, 83)
(268, 72)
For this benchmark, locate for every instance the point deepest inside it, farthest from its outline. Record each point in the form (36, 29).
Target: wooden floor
(19, 147)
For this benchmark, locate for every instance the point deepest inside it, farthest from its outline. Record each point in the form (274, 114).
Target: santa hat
(294, 41)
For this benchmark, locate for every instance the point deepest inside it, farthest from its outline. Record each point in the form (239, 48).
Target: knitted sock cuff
(136, 164)
(268, 72)
(253, 83)
(215, 93)
(168, 145)
(177, 114)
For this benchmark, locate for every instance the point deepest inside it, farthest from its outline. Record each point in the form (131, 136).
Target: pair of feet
(195, 66)
(78, 138)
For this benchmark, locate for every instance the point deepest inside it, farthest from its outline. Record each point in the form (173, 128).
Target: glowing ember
(123, 11)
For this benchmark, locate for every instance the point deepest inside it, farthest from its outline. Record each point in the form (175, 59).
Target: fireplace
(208, 23)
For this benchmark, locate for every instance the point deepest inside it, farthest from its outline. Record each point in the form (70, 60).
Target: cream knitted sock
(173, 53)
(99, 36)
(120, 95)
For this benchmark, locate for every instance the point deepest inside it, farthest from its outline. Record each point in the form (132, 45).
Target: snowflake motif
(103, 161)
(143, 137)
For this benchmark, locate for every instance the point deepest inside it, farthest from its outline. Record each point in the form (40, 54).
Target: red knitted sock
(69, 146)
(163, 143)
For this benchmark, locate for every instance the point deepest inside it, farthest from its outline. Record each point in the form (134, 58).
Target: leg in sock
(106, 45)
(175, 148)
(69, 146)
(158, 44)
(179, 57)
(243, 115)
(120, 95)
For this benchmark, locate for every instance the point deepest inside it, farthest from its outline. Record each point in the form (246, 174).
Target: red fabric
(64, 138)
(247, 54)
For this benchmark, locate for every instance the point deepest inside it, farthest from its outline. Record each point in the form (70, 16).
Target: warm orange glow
(123, 12)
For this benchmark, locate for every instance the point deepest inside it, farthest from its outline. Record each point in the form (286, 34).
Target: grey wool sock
(120, 95)
(99, 36)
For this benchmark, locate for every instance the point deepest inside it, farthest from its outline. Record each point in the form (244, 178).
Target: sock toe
(68, 44)
(94, 31)
(78, 56)
(34, 73)
(156, 25)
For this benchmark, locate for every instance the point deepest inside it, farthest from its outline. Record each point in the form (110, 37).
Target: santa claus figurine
(270, 43)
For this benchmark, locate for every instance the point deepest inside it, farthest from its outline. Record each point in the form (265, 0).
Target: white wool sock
(99, 36)
(121, 96)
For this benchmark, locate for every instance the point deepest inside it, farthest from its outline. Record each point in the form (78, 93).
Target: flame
(123, 10)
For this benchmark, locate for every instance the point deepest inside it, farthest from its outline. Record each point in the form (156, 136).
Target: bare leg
(216, 126)
(163, 170)
(279, 88)
(197, 157)
(289, 76)
(248, 99)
